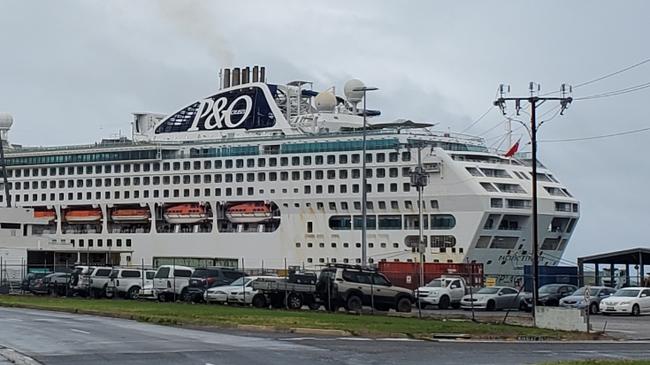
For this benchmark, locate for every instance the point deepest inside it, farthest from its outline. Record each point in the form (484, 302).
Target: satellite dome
(6, 121)
(325, 101)
(349, 90)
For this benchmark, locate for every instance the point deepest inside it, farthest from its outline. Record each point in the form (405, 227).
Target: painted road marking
(79, 331)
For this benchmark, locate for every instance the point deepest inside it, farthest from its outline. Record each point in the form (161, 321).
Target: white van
(171, 282)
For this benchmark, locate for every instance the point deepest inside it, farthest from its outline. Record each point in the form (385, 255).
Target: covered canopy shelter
(639, 257)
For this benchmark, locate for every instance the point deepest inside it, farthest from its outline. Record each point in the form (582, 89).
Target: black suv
(208, 277)
(353, 287)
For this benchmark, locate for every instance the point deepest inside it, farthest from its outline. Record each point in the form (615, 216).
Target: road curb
(322, 332)
(17, 358)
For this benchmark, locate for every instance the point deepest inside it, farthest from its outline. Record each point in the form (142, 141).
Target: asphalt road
(60, 338)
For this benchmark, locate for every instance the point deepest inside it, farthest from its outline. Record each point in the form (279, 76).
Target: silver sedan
(493, 298)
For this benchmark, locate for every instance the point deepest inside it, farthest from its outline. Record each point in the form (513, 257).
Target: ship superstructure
(267, 175)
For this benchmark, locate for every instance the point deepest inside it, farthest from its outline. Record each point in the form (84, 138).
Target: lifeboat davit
(130, 214)
(185, 214)
(83, 215)
(48, 214)
(251, 212)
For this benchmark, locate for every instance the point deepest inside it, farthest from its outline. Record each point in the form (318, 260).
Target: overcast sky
(73, 71)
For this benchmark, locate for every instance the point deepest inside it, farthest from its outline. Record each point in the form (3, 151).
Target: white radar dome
(6, 121)
(325, 101)
(350, 93)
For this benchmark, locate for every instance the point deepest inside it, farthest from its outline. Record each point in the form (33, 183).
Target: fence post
(243, 283)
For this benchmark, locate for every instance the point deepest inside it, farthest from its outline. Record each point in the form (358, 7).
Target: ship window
(390, 222)
(343, 188)
(229, 164)
(107, 195)
(381, 157)
(343, 174)
(356, 158)
(218, 164)
(393, 187)
(70, 171)
(186, 165)
(52, 171)
(331, 174)
(319, 160)
(382, 205)
(217, 178)
(217, 191)
(284, 161)
(273, 161)
(240, 191)
(331, 159)
(239, 163)
(89, 196)
(510, 188)
(381, 173)
(261, 162)
(406, 156)
(127, 168)
(330, 189)
(356, 173)
(273, 176)
(295, 175)
(127, 181)
(442, 221)
(392, 172)
(406, 171)
(119, 242)
(368, 157)
(117, 195)
(343, 159)
(504, 242)
(228, 177)
(443, 241)
(176, 179)
(319, 189)
(473, 171)
(207, 179)
(319, 174)
(307, 189)
(393, 156)
(80, 171)
(284, 176)
(496, 203)
(177, 193)
(406, 187)
(355, 188)
(408, 204)
(306, 175)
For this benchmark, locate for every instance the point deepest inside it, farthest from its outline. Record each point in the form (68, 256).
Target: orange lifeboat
(83, 215)
(250, 212)
(185, 214)
(47, 214)
(130, 214)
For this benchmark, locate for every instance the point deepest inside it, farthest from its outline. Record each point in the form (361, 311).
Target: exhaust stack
(240, 76)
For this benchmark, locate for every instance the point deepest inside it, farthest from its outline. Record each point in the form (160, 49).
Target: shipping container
(407, 274)
(551, 275)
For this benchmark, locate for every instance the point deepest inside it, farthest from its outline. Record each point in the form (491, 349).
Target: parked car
(596, 294)
(171, 282)
(127, 282)
(243, 294)
(54, 283)
(443, 292)
(98, 281)
(204, 278)
(29, 280)
(80, 283)
(354, 287)
(633, 301)
(493, 298)
(550, 295)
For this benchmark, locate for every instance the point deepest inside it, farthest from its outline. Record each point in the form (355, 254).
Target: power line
(597, 137)
(605, 76)
(612, 74)
(626, 90)
(478, 120)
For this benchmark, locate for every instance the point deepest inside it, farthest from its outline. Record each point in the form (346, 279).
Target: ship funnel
(256, 76)
(226, 78)
(245, 75)
(240, 76)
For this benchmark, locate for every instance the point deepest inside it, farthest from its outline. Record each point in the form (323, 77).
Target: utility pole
(419, 179)
(364, 190)
(534, 102)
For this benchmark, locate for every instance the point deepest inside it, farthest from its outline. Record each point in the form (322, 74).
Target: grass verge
(601, 362)
(282, 320)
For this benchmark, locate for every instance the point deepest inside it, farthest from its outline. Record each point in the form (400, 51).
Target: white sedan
(633, 301)
(239, 291)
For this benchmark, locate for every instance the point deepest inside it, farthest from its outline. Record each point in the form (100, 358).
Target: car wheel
(455, 305)
(404, 305)
(636, 310)
(354, 303)
(185, 295)
(444, 302)
(490, 306)
(162, 297)
(133, 292)
(523, 307)
(593, 308)
(259, 301)
(294, 301)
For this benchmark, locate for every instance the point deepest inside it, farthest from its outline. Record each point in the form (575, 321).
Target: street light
(364, 192)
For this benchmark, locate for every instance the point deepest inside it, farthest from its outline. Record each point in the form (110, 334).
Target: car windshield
(581, 291)
(548, 289)
(488, 291)
(436, 283)
(241, 281)
(629, 293)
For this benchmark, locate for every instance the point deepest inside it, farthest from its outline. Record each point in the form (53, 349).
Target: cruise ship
(264, 175)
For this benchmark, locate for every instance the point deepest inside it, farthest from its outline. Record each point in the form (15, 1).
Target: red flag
(515, 147)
